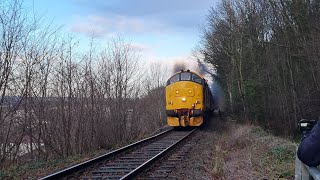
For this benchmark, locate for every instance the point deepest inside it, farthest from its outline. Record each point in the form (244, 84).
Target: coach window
(196, 78)
(185, 76)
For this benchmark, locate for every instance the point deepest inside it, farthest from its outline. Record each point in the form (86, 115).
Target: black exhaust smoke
(178, 66)
(202, 68)
(214, 85)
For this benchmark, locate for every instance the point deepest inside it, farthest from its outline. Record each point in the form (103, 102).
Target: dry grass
(223, 151)
(41, 168)
(234, 151)
(37, 169)
(248, 152)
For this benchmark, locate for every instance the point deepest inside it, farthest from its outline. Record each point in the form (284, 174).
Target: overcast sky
(160, 29)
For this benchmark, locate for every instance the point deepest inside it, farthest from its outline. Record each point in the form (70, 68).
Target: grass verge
(249, 152)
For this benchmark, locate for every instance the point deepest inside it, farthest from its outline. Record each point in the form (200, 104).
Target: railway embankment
(223, 149)
(237, 151)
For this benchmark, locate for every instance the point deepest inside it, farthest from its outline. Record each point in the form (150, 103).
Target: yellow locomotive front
(185, 99)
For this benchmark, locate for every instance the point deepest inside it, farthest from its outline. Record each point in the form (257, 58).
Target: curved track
(126, 162)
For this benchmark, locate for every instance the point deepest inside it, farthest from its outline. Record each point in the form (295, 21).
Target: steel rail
(83, 165)
(143, 166)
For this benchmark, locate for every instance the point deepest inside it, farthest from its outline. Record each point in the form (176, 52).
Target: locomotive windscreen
(185, 76)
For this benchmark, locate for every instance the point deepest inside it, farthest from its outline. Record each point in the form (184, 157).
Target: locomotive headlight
(184, 99)
(304, 124)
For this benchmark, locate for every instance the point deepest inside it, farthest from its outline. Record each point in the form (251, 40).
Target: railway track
(126, 162)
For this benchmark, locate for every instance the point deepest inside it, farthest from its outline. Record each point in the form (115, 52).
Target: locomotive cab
(185, 76)
(187, 95)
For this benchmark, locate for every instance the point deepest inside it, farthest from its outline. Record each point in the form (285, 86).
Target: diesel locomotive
(188, 99)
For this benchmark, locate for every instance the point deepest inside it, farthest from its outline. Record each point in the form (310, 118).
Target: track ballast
(126, 162)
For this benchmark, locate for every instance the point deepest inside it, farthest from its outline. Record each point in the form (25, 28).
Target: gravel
(198, 162)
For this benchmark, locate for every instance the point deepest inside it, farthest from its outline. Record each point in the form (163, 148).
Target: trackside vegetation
(266, 55)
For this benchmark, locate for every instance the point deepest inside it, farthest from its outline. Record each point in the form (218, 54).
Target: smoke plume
(178, 66)
(213, 84)
(217, 95)
(203, 69)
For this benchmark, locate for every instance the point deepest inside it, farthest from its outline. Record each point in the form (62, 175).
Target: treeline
(56, 101)
(267, 58)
